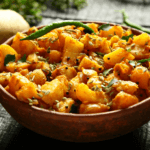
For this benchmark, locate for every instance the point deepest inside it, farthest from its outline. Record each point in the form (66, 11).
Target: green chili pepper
(52, 26)
(128, 23)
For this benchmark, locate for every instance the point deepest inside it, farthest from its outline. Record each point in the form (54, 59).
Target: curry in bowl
(71, 71)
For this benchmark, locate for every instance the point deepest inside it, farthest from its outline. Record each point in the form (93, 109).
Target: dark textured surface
(14, 135)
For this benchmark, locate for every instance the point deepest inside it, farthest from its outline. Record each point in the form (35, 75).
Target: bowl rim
(111, 112)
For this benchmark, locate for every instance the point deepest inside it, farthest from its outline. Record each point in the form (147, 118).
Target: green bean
(128, 23)
(52, 26)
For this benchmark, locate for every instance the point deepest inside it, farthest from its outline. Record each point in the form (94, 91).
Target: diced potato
(87, 63)
(4, 78)
(32, 58)
(16, 82)
(49, 40)
(86, 95)
(114, 30)
(95, 43)
(117, 56)
(54, 56)
(94, 81)
(40, 65)
(75, 33)
(94, 26)
(17, 67)
(126, 86)
(123, 100)
(141, 39)
(4, 51)
(127, 32)
(52, 91)
(22, 88)
(27, 91)
(69, 72)
(122, 70)
(93, 108)
(141, 76)
(142, 94)
(88, 73)
(114, 39)
(72, 49)
(63, 79)
(32, 30)
(37, 76)
(26, 46)
(64, 105)
(74, 83)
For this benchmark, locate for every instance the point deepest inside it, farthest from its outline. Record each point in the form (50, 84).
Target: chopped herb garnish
(74, 109)
(23, 59)
(143, 60)
(9, 58)
(133, 63)
(104, 27)
(127, 37)
(128, 50)
(111, 83)
(99, 53)
(106, 72)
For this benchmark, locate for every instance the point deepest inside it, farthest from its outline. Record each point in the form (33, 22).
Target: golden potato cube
(141, 39)
(86, 95)
(123, 100)
(141, 76)
(114, 30)
(4, 51)
(71, 50)
(74, 82)
(117, 56)
(69, 72)
(93, 108)
(26, 46)
(37, 76)
(26, 92)
(87, 63)
(64, 105)
(52, 91)
(16, 82)
(126, 86)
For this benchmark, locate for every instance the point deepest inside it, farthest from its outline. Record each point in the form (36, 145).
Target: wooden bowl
(77, 127)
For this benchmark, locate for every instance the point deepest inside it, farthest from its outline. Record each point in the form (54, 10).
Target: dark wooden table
(14, 135)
